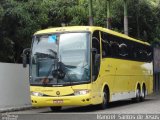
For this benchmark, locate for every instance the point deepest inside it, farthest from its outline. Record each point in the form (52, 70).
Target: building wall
(14, 87)
(156, 62)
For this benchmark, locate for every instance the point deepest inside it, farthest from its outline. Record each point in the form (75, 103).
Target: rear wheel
(105, 102)
(143, 93)
(56, 108)
(138, 95)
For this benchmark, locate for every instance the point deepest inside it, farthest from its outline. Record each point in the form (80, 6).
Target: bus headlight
(36, 94)
(81, 92)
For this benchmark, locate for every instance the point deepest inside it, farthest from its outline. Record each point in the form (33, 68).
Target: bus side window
(123, 50)
(136, 51)
(147, 53)
(106, 47)
(114, 49)
(95, 55)
(131, 55)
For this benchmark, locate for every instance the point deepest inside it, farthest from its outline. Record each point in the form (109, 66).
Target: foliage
(20, 19)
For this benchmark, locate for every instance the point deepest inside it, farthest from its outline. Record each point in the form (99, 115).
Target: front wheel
(105, 102)
(56, 108)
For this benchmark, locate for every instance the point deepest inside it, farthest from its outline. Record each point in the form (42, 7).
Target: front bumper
(79, 100)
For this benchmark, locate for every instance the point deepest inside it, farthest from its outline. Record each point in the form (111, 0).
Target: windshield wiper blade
(80, 82)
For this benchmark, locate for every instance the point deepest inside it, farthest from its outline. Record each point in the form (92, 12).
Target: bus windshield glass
(60, 59)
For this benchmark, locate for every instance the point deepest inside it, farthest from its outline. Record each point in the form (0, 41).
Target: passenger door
(96, 58)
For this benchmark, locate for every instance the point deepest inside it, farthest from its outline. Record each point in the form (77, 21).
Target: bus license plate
(57, 101)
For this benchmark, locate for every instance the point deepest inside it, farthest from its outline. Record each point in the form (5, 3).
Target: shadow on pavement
(95, 108)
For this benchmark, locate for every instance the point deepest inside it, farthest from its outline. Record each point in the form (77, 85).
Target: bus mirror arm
(25, 53)
(24, 61)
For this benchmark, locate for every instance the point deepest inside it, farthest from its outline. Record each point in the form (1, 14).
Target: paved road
(150, 106)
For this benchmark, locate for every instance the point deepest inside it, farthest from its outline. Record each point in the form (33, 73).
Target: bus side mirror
(25, 53)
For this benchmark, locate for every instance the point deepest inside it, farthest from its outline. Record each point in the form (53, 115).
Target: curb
(15, 109)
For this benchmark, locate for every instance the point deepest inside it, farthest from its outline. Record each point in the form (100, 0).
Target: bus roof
(86, 28)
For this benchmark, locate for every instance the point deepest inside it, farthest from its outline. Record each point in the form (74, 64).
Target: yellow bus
(87, 65)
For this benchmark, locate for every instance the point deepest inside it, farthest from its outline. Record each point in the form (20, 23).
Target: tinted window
(121, 48)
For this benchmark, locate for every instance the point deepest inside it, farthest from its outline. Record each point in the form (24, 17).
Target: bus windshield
(60, 59)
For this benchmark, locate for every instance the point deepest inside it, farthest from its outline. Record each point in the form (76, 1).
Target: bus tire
(138, 95)
(143, 93)
(55, 108)
(105, 102)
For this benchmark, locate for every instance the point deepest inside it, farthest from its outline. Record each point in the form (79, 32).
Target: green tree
(20, 19)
